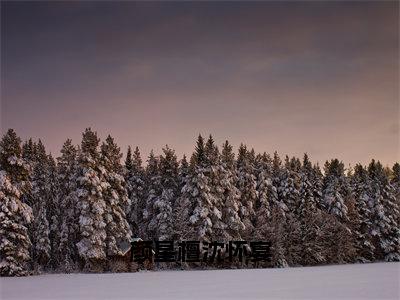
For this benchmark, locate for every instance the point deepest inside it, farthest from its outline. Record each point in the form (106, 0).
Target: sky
(295, 77)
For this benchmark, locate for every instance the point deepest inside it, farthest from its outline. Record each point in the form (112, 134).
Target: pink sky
(312, 77)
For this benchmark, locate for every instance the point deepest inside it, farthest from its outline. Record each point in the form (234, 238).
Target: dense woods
(70, 213)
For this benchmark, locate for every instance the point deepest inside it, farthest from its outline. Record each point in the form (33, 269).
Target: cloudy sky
(316, 77)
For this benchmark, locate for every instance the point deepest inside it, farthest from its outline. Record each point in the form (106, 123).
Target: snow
(361, 281)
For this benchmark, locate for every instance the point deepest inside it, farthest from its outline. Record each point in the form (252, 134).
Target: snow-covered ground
(368, 281)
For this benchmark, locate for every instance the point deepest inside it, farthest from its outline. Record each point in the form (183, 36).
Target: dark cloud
(317, 77)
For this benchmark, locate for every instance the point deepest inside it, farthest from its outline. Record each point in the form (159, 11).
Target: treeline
(72, 213)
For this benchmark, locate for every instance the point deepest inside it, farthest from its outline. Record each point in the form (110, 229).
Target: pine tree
(15, 216)
(41, 199)
(362, 225)
(216, 177)
(247, 185)
(310, 217)
(54, 212)
(115, 197)
(28, 151)
(307, 189)
(90, 189)
(289, 189)
(231, 195)
(277, 174)
(265, 189)
(135, 179)
(66, 169)
(395, 181)
(335, 189)
(182, 205)
(385, 212)
(154, 190)
(162, 221)
(197, 192)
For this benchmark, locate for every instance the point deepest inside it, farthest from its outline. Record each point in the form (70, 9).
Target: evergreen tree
(69, 227)
(265, 190)
(162, 221)
(277, 175)
(247, 186)
(335, 189)
(231, 195)
(217, 181)
(197, 192)
(15, 216)
(362, 225)
(135, 179)
(395, 181)
(41, 199)
(28, 151)
(385, 212)
(90, 190)
(306, 192)
(54, 212)
(181, 210)
(115, 197)
(289, 189)
(154, 190)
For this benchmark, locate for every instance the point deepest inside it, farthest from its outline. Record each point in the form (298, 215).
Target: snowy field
(368, 281)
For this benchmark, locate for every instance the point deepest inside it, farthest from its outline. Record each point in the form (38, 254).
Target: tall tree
(154, 190)
(265, 191)
(115, 197)
(182, 206)
(162, 221)
(197, 192)
(247, 186)
(231, 195)
(385, 212)
(41, 198)
(90, 190)
(335, 189)
(69, 227)
(362, 225)
(15, 216)
(135, 179)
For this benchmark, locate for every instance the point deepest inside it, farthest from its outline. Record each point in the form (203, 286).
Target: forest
(70, 213)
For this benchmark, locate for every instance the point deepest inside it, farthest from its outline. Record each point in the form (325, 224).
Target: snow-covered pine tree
(153, 191)
(28, 151)
(41, 200)
(247, 186)
(115, 197)
(11, 161)
(215, 174)
(395, 181)
(182, 205)
(90, 189)
(265, 190)
(289, 189)
(309, 216)
(316, 179)
(277, 174)
(335, 189)
(66, 169)
(231, 195)
(385, 212)
(15, 216)
(307, 189)
(54, 212)
(362, 225)
(135, 179)
(162, 222)
(198, 192)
